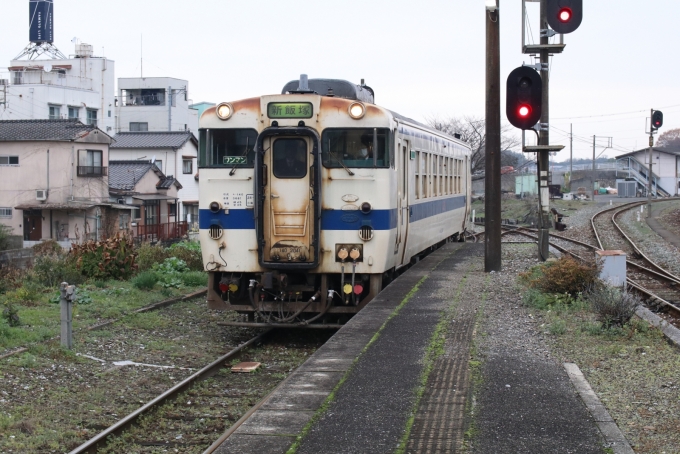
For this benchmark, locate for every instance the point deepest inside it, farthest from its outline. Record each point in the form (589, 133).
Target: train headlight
(214, 207)
(357, 110)
(224, 110)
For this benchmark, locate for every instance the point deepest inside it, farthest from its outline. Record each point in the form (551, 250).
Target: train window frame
(295, 168)
(210, 157)
(332, 162)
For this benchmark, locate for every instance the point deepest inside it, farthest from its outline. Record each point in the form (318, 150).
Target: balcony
(160, 232)
(92, 171)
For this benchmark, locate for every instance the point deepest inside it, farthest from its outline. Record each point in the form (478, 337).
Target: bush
(613, 307)
(145, 280)
(10, 278)
(564, 276)
(195, 279)
(148, 255)
(52, 270)
(190, 252)
(171, 265)
(49, 247)
(113, 258)
(11, 315)
(5, 233)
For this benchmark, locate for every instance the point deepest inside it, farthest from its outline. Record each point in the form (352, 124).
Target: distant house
(54, 181)
(151, 195)
(174, 153)
(665, 169)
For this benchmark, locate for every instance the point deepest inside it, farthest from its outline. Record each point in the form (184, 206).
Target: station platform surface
(398, 377)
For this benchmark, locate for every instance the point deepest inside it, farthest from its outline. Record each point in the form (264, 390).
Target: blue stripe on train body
(339, 219)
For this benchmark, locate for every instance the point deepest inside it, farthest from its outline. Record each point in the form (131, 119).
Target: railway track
(190, 415)
(659, 288)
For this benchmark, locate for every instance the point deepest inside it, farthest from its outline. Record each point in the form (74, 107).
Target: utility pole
(543, 158)
(649, 175)
(571, 154)
(492, 183)
(593, 152)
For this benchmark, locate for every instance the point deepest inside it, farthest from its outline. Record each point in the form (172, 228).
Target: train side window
(417, 173)
(227, 147)
(356, 147)
(425, 175)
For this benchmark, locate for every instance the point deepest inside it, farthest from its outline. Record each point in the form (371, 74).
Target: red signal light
(565, 15)
(524, 111)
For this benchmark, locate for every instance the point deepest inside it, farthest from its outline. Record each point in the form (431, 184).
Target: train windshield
(356, 147)
(227, 147)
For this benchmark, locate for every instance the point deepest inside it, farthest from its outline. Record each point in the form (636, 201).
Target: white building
(80, 87)
(665, 170)
(174, 153)
(143, 105)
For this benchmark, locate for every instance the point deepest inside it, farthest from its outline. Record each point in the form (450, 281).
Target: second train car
(311, 200)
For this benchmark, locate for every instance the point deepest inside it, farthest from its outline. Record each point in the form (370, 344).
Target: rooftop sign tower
(41, 31)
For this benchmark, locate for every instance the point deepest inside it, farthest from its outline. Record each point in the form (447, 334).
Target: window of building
(90, 163)
(55, 112)
(187, 166)
(123, 220)
(92, 117)
(73, 113)
(138, 126)
(159, 164)
(5, 212)
(137, 213)
(9, 160)
(191, 213)
(172, 209)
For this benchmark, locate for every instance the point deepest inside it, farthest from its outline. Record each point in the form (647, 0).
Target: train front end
(295, 206)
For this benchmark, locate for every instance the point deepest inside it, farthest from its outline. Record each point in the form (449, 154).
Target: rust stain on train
(341, 105)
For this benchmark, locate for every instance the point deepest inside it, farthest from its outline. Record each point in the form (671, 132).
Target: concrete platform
(377, 385)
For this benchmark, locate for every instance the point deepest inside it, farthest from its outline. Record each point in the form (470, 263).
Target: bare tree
(473, 131)
(670, 139)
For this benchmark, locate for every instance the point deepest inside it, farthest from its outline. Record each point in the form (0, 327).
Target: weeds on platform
(565, 276)
(613, 307)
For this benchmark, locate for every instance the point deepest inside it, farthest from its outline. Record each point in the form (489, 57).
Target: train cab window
(356, 147)
(290, 158)
(227, 147)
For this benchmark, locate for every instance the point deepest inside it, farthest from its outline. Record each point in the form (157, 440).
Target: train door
(402, 201)
(288, 201)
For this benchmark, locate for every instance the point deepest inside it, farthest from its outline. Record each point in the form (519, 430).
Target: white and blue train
(312, 200)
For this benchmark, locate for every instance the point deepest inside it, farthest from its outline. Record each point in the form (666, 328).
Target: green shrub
(564, 276)
(195, 279)
(113, 258)
(190, 252)
(613, 307)
(11, 314)
(171, 265)
(148, 256)
(145, 280)
(51, 270)
(5, 233)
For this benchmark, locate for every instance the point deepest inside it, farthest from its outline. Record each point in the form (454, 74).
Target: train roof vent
(336, 87)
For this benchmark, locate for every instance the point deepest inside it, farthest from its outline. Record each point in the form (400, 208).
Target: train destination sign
(289, 110)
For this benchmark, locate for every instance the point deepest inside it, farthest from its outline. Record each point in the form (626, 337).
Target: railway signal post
(492, 183)
(656, 121)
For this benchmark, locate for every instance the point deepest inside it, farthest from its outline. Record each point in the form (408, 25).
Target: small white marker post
(66, 302)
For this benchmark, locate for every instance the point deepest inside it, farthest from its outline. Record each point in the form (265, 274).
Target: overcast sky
(423, 58)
